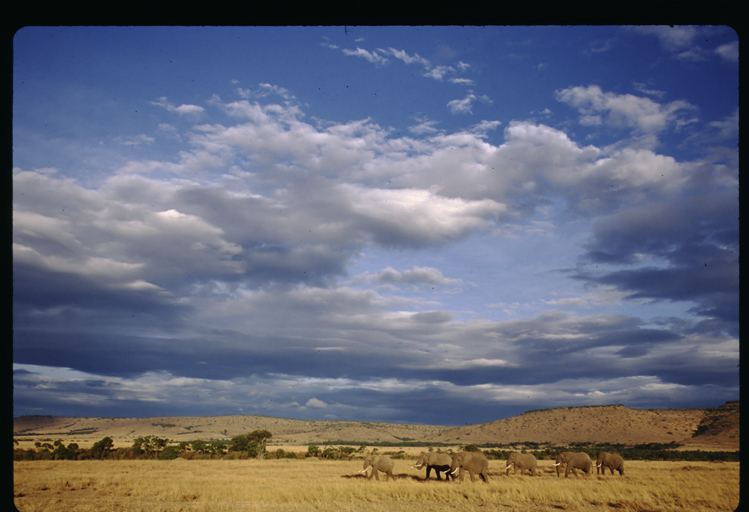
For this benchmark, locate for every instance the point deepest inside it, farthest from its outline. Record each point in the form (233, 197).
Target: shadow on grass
(399, 476)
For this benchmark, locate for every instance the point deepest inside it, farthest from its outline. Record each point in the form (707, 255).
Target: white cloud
(462, 81)
(425, 126)
(672, 38)
(625, 110)
(137, 140)
(372, 57)
(181, 109)
(439, 72)
(484, 126)
(465, 105)
(405, 57)
(315, 403)
(643, 88)
(729, 51)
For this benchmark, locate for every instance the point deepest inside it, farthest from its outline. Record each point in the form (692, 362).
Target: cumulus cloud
(240, 243)
(625, 110)
(317, 404)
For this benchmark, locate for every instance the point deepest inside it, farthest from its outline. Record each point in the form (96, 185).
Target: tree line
(253, 445)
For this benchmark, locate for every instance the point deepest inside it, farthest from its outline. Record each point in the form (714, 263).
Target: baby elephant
(523, 462)
(613, 461)
(379, 463)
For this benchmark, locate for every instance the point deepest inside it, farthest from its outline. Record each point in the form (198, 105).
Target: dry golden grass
(306, 485)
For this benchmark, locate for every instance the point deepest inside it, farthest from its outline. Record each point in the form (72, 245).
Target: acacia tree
(149, 445)
(253, 443)
(101, 448)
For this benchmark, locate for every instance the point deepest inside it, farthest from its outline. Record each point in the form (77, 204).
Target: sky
(436, 225)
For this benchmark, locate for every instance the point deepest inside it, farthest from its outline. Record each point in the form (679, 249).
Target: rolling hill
(716, 428)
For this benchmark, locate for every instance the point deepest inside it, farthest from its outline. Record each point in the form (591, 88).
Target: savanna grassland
(324, 485)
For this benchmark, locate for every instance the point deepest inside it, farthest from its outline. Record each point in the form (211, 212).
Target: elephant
(473, 462)
(379, 463)
(522, 461)
(579, 460)
(613, 461)
(438, 462)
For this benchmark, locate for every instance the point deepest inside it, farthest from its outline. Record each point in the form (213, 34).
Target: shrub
(169, 453)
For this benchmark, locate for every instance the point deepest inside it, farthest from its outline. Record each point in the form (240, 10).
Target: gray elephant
(613, 461)
(439, 462)
(473, 462)
(523, 462)
(379, 463)
(574, 460)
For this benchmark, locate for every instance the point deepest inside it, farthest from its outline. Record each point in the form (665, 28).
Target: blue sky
(440, 225)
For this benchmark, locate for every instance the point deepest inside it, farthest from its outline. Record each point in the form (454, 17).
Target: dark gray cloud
(685, 249)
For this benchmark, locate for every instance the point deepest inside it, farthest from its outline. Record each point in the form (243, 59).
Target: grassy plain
(320, 485)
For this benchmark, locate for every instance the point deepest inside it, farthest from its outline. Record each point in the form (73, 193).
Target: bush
(101, 448)
(313, 451)
(169, 453)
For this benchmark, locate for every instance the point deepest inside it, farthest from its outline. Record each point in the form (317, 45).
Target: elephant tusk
(557, 464)
(453, 472)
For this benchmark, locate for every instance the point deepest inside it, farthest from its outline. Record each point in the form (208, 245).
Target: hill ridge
(717, 428)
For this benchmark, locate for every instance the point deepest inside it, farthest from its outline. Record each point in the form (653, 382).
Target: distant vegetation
(253, 445)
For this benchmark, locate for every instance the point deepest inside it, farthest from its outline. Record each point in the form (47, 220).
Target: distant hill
(717, 428)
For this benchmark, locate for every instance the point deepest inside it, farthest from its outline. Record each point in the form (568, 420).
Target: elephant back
(440, 459)
(385, 463)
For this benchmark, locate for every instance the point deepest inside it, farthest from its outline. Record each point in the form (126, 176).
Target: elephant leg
(429, 470)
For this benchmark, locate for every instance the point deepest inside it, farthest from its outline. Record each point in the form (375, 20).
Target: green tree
(259, 436)
(238, 443)
(150, 446)
(169, 453)
(217, 447)
(313, 451)
(102, 448)
(199, 446)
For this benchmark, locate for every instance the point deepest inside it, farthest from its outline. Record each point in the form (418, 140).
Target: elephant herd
(476, 464)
